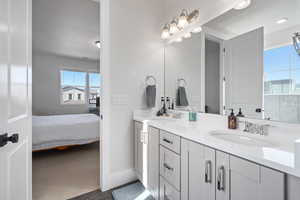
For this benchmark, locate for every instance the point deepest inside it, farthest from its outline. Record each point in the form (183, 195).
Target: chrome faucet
(253, 128)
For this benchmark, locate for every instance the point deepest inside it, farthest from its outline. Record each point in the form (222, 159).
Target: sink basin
(243, 138)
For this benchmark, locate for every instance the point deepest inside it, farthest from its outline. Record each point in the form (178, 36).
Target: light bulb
(173, 27)
(178, 39)
(98, 44)
(197, 30)
(165, 32)
(182, 21)
(187, 35)
(242, 4)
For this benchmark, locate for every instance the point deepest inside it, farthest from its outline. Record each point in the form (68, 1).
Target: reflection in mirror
(244, 59)
(183, 73)
(262, 67)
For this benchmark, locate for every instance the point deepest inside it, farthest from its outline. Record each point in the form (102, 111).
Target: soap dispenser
(240, 114)
(232, 122)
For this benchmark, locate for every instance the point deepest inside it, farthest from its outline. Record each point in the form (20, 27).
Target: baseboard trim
(123, 177)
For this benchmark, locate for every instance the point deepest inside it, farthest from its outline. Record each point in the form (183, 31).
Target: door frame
(207, 34)
(105, 95)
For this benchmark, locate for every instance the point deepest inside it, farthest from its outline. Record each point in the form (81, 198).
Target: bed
(61, 131)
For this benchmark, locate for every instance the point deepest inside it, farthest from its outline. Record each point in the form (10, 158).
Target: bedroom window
(94, 88)
(73, 87)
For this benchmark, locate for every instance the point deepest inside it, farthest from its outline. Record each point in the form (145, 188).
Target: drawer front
(167, 191)
(170, 141)
(170, 167)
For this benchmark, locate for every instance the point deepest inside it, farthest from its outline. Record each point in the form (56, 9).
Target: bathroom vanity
(176, 159)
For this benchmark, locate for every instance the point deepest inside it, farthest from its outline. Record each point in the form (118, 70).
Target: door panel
(15, 98)
(244, 72)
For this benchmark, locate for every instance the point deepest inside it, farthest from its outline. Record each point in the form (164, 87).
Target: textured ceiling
(66, 27)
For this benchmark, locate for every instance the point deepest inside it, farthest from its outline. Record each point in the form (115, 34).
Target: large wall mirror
(242, 59)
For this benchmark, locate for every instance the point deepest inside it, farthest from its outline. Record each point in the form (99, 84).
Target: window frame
(86, 87)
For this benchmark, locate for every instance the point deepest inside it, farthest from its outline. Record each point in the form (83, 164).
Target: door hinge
(224, 50)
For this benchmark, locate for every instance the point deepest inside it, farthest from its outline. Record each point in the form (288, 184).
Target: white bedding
(59, 130)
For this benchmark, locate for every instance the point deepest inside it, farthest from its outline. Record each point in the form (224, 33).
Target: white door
(244, 73)
(15, 99)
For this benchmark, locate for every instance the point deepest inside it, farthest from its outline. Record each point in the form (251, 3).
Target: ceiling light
(165, 32)
(187, 35)
(197, 30)
(182, 21)
(281, 21)
(242, 4)
(98, 44)
(173, 27)
(178, 39)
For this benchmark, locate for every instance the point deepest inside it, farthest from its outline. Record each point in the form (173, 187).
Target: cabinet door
(198, 172)
(250, 181)
(153, 162)
(222, 176)
(138, 150)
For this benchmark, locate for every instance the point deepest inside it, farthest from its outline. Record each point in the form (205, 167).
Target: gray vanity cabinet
(138, 164)
(147, 157)
(197, 171)
(153, 162)
(250, 181)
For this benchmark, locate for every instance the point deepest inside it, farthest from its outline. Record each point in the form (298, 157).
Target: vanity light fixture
(281, 21)
(179, 24)
(193, 16)
(98, 44)
(165, 32)
(197, 30)
(296, 42)
(242, 4)
(173, 26)
(183, 19)
(187, 35)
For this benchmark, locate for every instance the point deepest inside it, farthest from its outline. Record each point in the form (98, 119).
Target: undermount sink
(242, 138)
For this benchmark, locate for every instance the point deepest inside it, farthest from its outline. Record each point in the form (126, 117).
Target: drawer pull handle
(208, 171)
(167, 141)
(168, 167)
(221, 179)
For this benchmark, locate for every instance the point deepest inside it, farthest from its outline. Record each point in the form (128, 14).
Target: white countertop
(281, 157)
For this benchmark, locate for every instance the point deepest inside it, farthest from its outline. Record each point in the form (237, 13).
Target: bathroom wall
(136, 51)
(46, 84)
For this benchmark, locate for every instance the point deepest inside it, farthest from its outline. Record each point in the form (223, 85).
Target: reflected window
(282, 84)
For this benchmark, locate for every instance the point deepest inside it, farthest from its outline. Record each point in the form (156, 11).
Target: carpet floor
(61, 175)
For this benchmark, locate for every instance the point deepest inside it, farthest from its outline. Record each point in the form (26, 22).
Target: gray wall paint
(212, 76)
(46, 83)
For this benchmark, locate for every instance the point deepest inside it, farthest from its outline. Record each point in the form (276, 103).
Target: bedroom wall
(46, 83)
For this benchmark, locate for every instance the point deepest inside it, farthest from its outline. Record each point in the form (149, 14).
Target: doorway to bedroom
(66, 86)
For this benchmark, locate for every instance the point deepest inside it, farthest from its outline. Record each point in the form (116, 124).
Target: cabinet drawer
(170, 167)
(168, 192)
(170, 141)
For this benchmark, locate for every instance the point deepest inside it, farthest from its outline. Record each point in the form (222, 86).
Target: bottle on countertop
(240, 114)
(232, 121)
